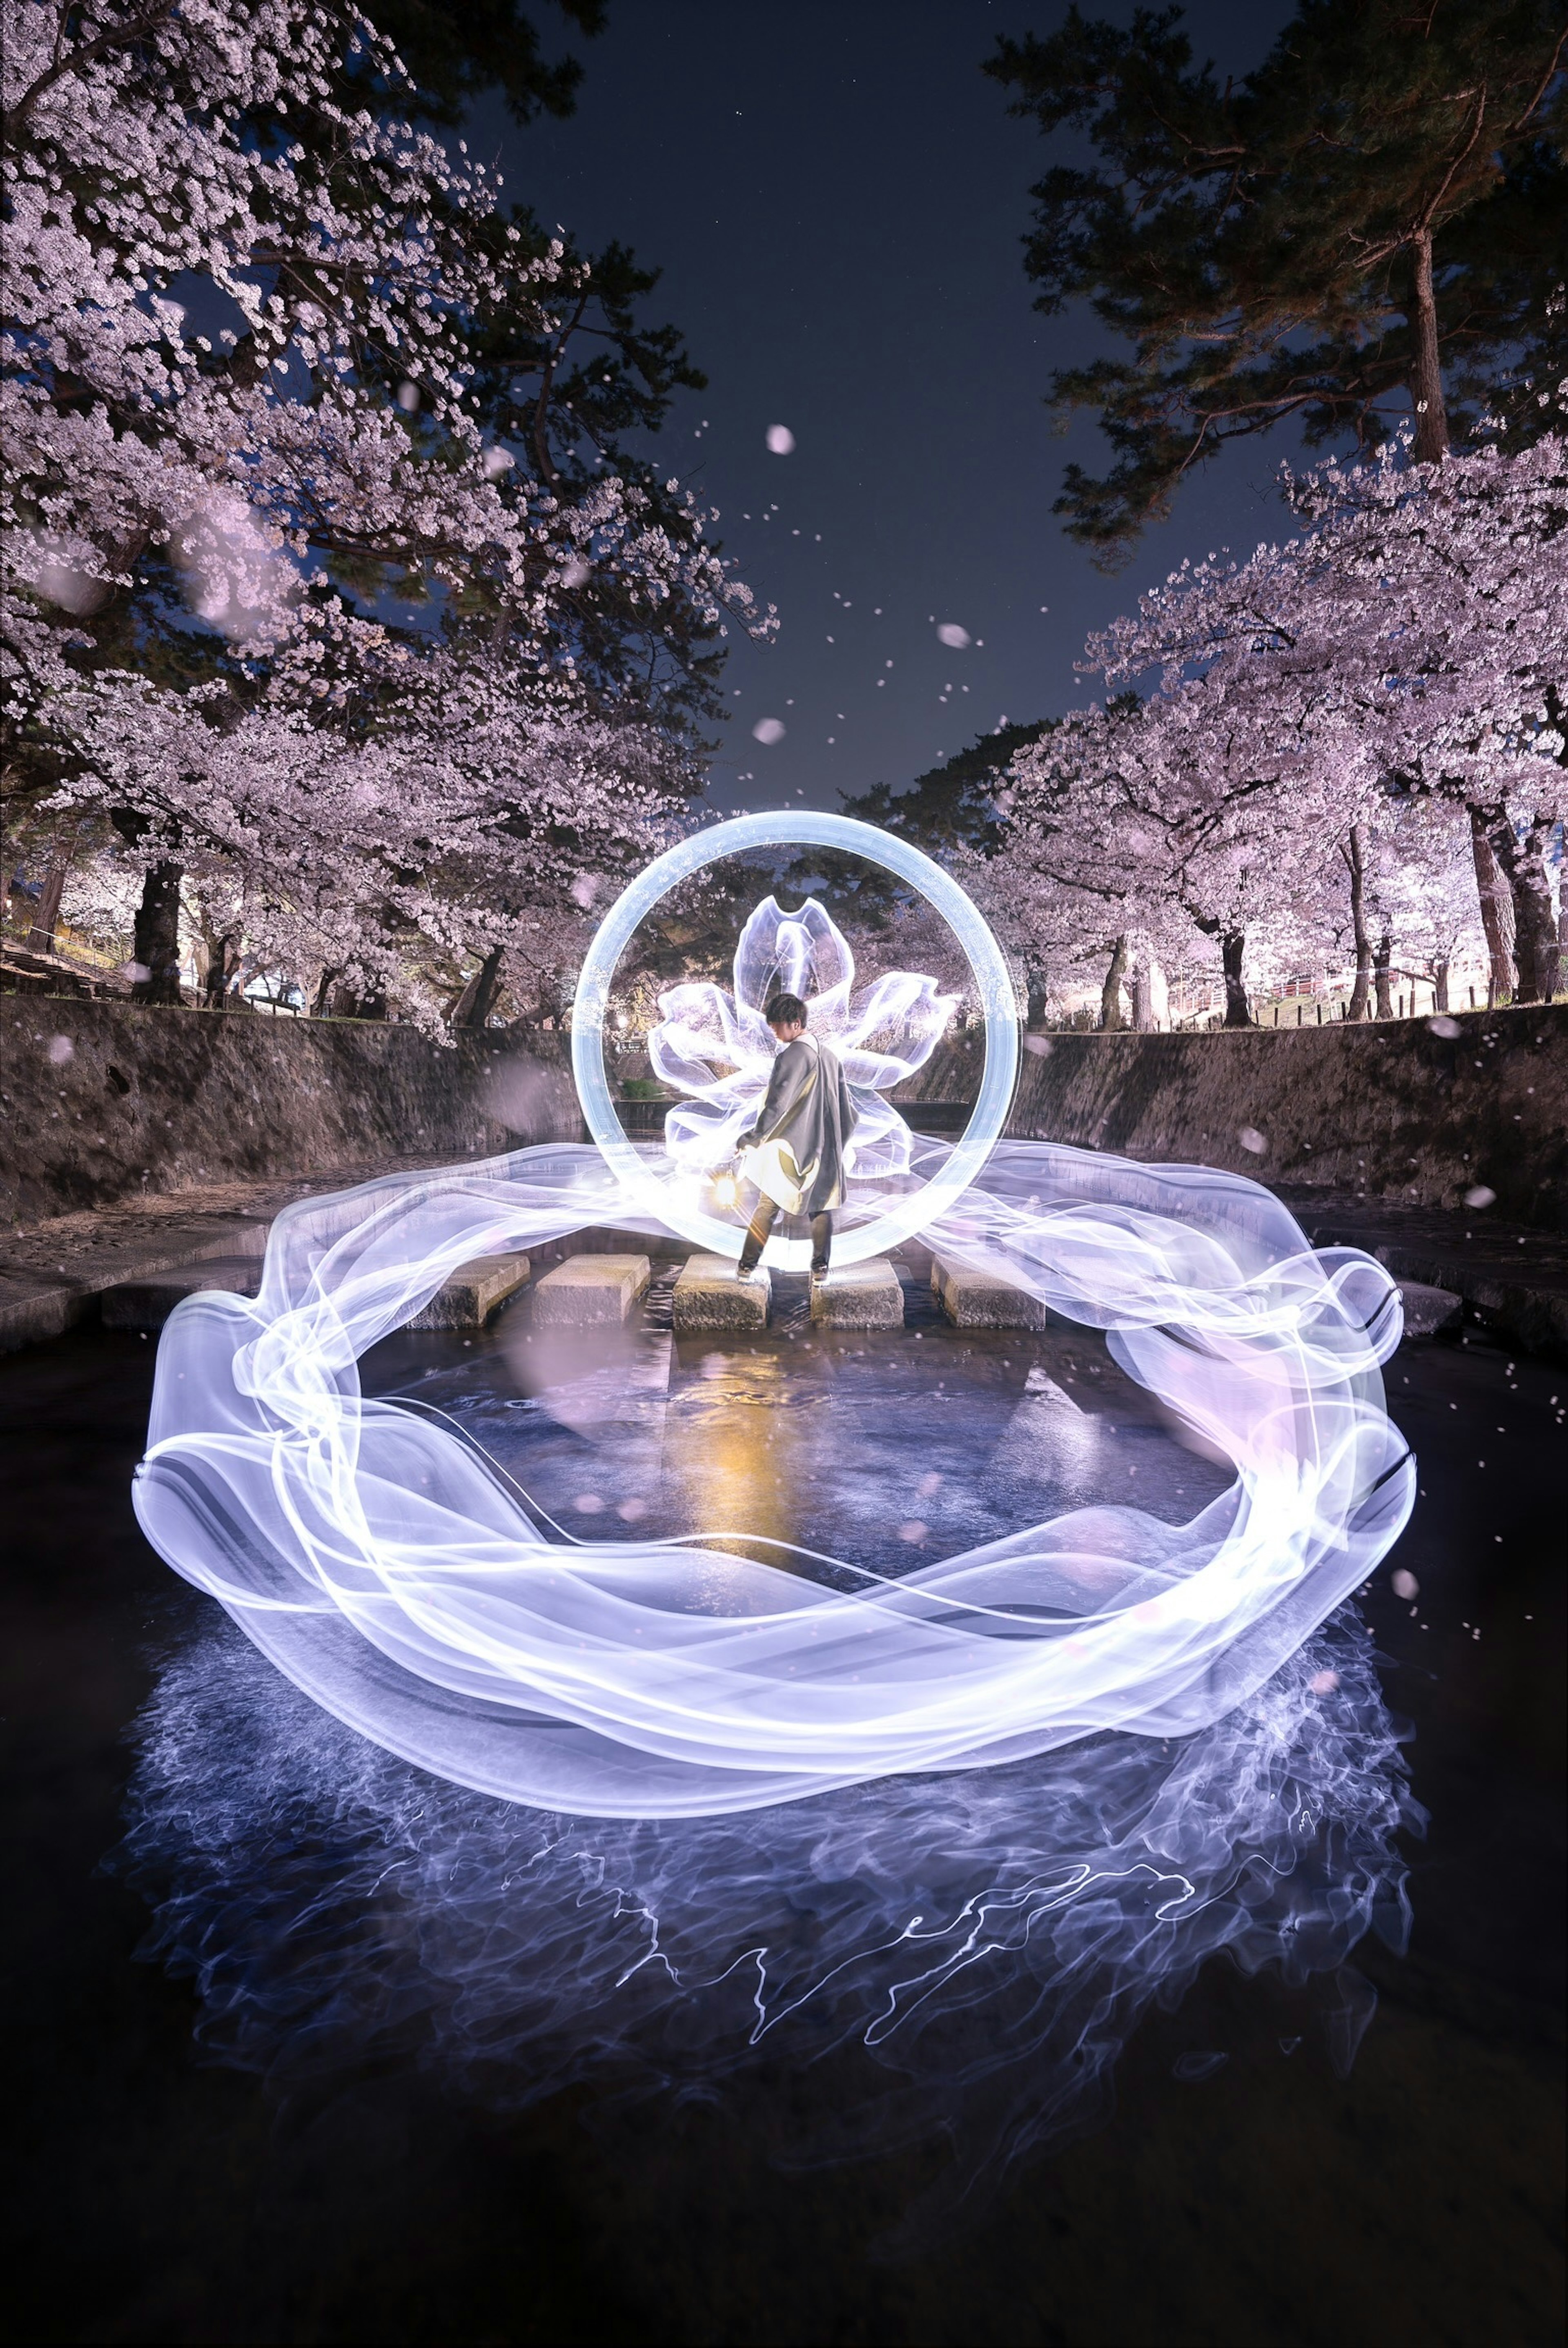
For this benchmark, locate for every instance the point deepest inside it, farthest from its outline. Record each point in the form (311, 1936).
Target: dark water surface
(349, 2187)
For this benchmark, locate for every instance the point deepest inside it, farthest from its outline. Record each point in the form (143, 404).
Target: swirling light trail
(394, 1579)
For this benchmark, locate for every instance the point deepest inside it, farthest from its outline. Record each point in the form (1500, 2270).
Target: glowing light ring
(395, 1575)
(674, 1201)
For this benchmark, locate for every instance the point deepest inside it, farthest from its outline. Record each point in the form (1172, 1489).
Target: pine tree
(456, 50)
(952, 806)
(1374, 222)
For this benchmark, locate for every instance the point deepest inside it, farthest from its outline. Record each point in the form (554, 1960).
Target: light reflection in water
(962, 1954)
(732, 1449)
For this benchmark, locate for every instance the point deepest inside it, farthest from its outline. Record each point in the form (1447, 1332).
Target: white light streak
(385, 1568)
(390, 1574)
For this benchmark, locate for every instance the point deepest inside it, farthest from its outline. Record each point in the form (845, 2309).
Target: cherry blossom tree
(1064, 891)
(1138, 834)
(1461, 570)
(1426, 897)
(384, 867)
(293, 594)
(1408, 649)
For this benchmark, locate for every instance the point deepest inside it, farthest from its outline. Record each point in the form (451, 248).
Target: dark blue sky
(836, 196)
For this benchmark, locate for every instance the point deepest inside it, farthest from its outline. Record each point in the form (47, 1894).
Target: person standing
(796, 1148)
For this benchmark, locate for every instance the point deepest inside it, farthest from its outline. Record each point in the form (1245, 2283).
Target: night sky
(836, 195)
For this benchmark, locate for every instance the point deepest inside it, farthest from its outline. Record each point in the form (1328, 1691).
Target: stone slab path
(591, 1288)
(52, 1273)
(978, 1300)
(1513, 1279)
(859, 1296)
(711, 1294)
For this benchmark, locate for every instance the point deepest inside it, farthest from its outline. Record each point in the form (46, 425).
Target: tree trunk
(1523, 868)
(157, 933)
(474, 1005)
(1440, 984)
(1353, 852)
(1038, 998)
(1232, 951)
(1427, 373)
(41, 937)
(1110, 1018)
(1496, 911)
(222, 962)
(1143, 992)
(348, 1004)
(1381, 968)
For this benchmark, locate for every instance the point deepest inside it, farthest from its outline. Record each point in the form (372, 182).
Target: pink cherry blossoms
(292, 611)
(1353, 747)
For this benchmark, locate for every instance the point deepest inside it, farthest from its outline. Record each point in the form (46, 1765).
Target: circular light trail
(391, 1570)
(675, 1198)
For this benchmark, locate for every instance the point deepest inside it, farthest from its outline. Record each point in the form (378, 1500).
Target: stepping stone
(862, 1296)
(147, 1303)
(587, 1290)
(1427, 1310)
(982, 1300)
(473, 1293)
(711, 1294)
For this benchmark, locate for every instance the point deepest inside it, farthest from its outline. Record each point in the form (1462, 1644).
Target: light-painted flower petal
(872, 1071)
(702, 1034)
(880, 1142)
(719, 1050)
(803, 953)
(894, 1027)
(703, 1133)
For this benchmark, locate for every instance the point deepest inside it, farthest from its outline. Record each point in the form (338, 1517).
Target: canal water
(307, 2046)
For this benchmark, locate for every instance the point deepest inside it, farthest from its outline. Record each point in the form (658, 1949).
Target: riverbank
(139, 1139)
(1390, 1111)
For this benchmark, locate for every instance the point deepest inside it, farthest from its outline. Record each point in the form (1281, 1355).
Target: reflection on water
(962, 1954)
(737, 1455)
(889, 1453)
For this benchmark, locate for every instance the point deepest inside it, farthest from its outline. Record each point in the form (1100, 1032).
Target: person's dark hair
(786, 1011)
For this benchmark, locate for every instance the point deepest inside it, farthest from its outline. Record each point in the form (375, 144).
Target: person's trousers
(761, 1224)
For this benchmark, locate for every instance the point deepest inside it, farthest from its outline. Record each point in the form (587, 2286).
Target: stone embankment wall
(167, 1101)
(104, 1100)
(1390, 1109)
